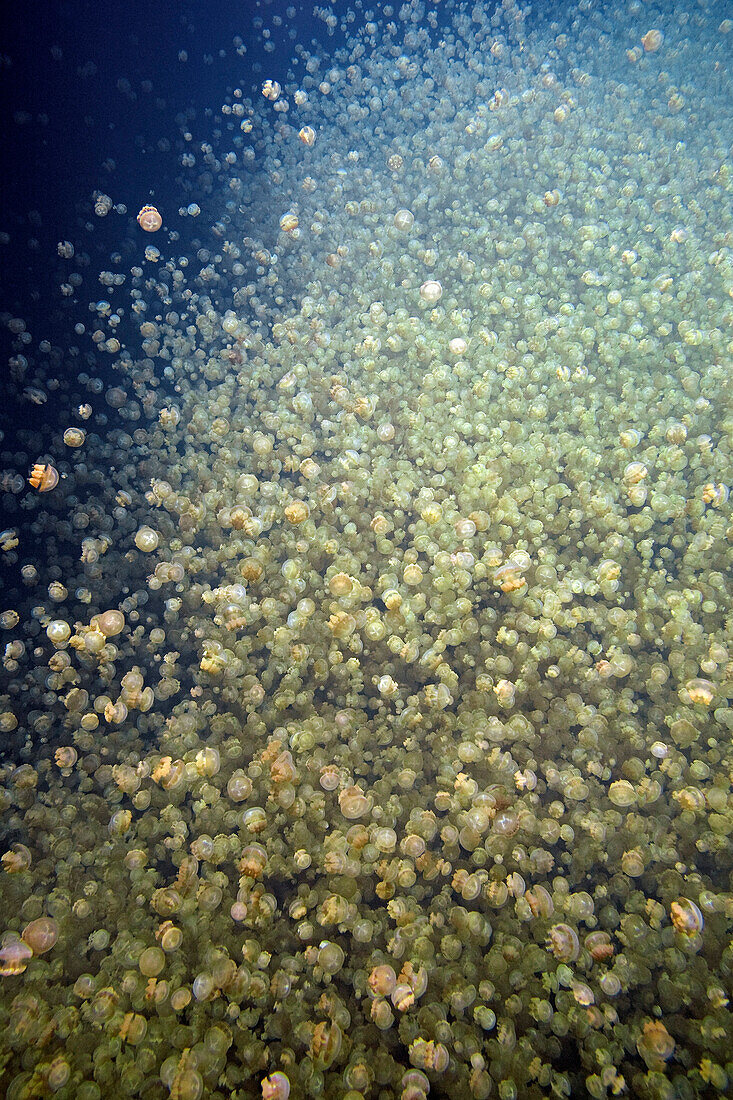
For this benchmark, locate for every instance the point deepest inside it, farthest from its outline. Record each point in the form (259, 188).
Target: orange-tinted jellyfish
(150, 219)
(44, 478)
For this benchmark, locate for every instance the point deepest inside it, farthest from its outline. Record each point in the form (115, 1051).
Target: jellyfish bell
(652, 40)
(271, 90)
(276, 1086)
(431, 292)
(41, 935)
(74, 437)
(150, 219)
(15, 955)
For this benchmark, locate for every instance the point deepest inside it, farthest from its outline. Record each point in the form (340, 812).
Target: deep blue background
(95, 96)
(88, 91)
(64, 117)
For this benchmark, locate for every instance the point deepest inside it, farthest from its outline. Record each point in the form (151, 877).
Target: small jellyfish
(109, 623)
(253, 860)
(14, 958)
(655, 1045)
(149, 219)
(701, 692)
(271, 90)
(382, 980)
(41, 935)
(457, 346)
(652, 40)
(686, 917)
(427, 1054)
(74, 437)
(505, 692)
(599, 945)
(146, 539)
(353, 803)
(43, 477)
(297, 512)
(169, 936)
(431, 292)
(16, 860)
(562, 941)
(275, 1087)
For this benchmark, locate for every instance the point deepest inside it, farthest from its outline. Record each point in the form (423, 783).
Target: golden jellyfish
(169, 936)
(109, 623)
(652, 40)
(58, 1074)
(74, 437)
(146, 539)
(622, 793)
(43, 477)
(149, 219)
(41, 935)
(58, 631)
(431, 292)
(307, 135)
(239, 786)
(133, 1028)
(412, 575)
(457, 346)
(686, 917)
(382, 980)
(181, 999)
(381, 1014)
(432, 513)
(353, 803)
(655, 1045)
(632, 863)
(701, 692)
(715, 493)
(329, 779)
(271, 90)
(340, 584)
(14, 958)
(151, 962)
(297, 512)
(275, 1087)
(403, 220)
(505, 692)
(599, 945)
(582, 994)
(562, 942)
(635, 472)
(427, 1054)
(253, 861)
(325, 1044)
(16, 860)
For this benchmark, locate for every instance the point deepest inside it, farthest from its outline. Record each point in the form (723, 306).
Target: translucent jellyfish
(149, 219)
(44, 477)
